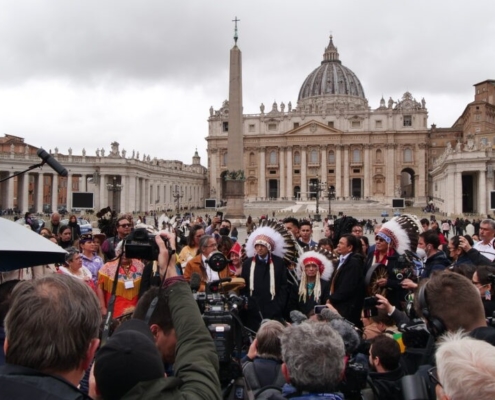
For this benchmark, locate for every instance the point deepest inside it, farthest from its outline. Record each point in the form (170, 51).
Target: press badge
(129, 284)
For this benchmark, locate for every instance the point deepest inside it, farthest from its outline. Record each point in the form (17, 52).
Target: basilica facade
(332, 140)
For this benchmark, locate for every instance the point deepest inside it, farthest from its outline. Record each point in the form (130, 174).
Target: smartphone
(369, 307)
(319, 308)
(219, 214)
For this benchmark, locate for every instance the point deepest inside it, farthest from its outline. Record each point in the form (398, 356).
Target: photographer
(196, 360)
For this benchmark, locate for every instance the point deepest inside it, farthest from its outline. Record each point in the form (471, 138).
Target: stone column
(125, 194)
(69, 192)
(324, 164)
(10, 191)
(22, 202)
(289, 188)
(339, 190)
(262, 181)
(281, 160)
(367, 170)
(54, 192)
(420, 189)
(346, 172)
(39, 193)
(483, 193)
(103, 191)
(449, 191)
(390, 173)
(213, 174)
(304, 174)
(458, 192)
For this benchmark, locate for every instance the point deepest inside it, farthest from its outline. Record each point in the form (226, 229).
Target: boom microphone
(48, 159)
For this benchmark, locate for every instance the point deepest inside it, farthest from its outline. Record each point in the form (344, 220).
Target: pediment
(311, 128)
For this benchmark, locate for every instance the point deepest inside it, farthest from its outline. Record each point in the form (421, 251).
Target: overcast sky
(83, 74)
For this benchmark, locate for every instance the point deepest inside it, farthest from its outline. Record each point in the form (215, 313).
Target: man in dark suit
(347, 283)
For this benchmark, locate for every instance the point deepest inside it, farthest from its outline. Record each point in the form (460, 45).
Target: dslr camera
(141, 244)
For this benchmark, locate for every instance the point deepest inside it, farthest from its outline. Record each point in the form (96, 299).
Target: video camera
(220, 314)
(141, 244)
(405, 268)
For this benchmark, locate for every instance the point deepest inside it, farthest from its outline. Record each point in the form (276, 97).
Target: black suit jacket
(348, 288)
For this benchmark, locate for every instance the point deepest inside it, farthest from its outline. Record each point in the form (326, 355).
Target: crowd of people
(340, 317)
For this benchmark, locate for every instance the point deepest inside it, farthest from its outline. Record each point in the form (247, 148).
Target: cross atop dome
(331, 53)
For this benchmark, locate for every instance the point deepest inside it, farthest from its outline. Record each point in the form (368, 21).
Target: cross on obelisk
(235, 31)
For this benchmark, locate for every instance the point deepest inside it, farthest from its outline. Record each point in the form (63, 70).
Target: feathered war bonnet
(402, 233)
(275, 237)
(322, 259)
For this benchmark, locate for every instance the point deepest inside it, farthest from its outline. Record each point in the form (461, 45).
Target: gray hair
(490, 222)
(466, 367)
(203, 242)
(314, 355)
(51, 323)
(268, 337)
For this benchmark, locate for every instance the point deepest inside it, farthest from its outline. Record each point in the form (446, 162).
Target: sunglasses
(379, 239)
(125, 225)
(432, 374)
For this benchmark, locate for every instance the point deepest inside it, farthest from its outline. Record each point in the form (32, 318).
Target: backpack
(252, 381)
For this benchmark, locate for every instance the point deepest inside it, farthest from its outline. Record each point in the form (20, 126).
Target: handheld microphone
(195, 282)
(48, 159)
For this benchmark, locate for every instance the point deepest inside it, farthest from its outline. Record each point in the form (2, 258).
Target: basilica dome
(331, 78)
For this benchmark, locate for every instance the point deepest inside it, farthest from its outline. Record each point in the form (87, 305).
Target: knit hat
(402, 233)
(129, 357)
(236, 248)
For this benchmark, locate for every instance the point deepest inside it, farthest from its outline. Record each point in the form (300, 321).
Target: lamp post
(177, 195)
(331, 193)
(115, 187)
(318, 187)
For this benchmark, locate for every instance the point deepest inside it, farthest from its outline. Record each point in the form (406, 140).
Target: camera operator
(196, 360)
(386, 371)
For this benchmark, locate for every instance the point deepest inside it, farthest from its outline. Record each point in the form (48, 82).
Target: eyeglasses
(477, 283)
(432, 374)
(125, 225)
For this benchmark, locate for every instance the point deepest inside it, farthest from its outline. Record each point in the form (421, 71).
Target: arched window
(408, 156)
(297, 158)
(273, 157)
(252, 159)
(331, 157)
(314, 157)
(356, 155)
(379, 156)
(224, 159)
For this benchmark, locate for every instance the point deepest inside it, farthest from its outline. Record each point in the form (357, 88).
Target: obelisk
(235, 142)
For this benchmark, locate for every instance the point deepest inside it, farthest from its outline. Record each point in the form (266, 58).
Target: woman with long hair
(191, 249)
(65, 237)
(314, 269)
(128, 282)
(74, 227)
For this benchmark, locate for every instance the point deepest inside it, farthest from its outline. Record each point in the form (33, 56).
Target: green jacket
(196, 365)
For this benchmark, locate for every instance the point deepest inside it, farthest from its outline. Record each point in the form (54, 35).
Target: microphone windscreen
(348, 333)
(195, 282)
(329, 315)
(48, 159)
(297, 317)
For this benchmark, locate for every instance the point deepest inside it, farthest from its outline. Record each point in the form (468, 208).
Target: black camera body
(369, 307)
(141, 244)
(405, 268)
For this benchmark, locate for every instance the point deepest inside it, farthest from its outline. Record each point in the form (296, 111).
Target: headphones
(435, 325)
